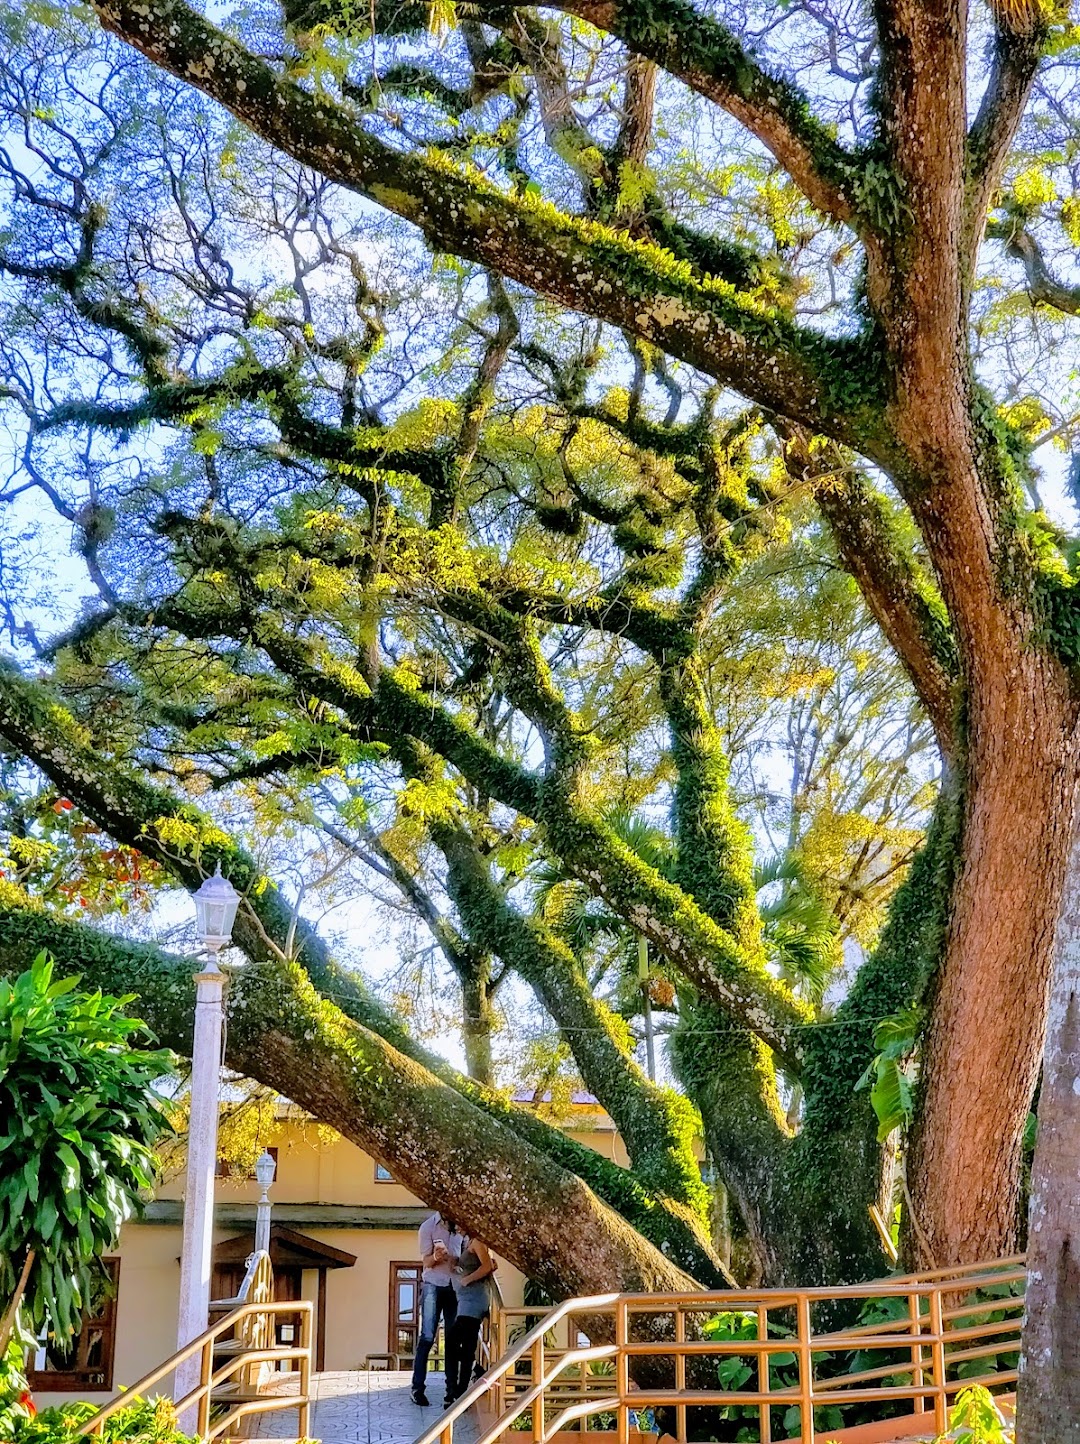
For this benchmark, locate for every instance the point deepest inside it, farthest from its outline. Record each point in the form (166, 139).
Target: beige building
(343, 1236)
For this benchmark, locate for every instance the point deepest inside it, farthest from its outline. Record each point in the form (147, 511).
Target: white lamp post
(216, 903)
(264, 1176)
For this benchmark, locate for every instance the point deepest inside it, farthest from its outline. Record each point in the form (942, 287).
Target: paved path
(364, 1406)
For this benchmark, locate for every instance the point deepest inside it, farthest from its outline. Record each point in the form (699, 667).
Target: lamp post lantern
(216, 903)
(265, 1169)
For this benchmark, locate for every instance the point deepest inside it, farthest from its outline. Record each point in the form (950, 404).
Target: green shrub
(79, 1120)
(143, 1421)
(976, 1419)
(15, 1404)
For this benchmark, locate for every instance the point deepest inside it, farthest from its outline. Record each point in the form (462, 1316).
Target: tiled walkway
(360, 1406)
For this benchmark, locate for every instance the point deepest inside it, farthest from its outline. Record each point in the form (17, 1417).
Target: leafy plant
(80, 1120)
(143, 1421)
(976, 1419)
(886, 1077)
(801, 932)
(15, 1402)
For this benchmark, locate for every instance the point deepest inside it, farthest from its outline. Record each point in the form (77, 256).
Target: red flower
(27, 1401)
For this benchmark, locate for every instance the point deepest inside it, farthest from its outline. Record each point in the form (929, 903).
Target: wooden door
(287, 1289)
(404, 1323)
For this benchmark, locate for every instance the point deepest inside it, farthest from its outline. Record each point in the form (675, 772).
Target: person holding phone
(438, 1301)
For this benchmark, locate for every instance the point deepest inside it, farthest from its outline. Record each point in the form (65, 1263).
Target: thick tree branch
(286, 1035)
(1042, 286)
(583, 265)
(1016, 59)
(917, 283)
(901, 595)
(639, 103)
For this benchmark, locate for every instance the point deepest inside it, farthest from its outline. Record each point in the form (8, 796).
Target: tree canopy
(553, 460)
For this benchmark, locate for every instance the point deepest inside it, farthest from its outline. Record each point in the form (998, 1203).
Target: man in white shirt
(438, 1240)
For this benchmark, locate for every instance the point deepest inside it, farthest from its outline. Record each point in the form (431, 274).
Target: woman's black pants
(465, 1331)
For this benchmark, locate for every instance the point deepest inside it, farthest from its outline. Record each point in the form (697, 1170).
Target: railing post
(206, 1370)
(622, 1373)
(539, 1371)
(680, 1374)
(915, 1315)
(764, 1383)
(806, 1371)
(937, 1353)
(303, 1411)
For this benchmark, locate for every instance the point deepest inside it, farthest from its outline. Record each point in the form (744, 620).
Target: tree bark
(981, 1055)
(1049, 1388)
(477, 1022)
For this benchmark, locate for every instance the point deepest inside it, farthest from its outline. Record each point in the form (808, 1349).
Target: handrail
(258, 1313)
(925, 1337)
(443, 1430)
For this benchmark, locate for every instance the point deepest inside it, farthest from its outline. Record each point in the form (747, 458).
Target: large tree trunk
(1049, 1388)
(981, 1055)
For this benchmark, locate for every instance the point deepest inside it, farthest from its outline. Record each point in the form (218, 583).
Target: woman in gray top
(472, 1270)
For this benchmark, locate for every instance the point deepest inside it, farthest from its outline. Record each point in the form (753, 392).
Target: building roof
(288, 1249)
(578, 1099)
(405, 1217)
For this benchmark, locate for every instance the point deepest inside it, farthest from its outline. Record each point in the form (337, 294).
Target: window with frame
(87, 1361)
(383, 1174)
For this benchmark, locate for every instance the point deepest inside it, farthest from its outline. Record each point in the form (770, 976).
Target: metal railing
(772, 1354)
(246, 1334)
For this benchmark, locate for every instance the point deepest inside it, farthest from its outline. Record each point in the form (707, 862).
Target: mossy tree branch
(283, 1033)
(1043, 287)
(128, 806)
(585, 266)
(897, 588)
(1018, 49)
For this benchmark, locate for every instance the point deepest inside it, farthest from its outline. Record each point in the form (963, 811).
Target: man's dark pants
(437, 1301)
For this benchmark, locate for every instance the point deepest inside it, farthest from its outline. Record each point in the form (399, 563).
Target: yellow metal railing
(616, 1353)
(236, 1386)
